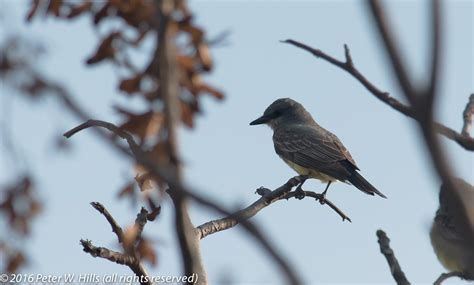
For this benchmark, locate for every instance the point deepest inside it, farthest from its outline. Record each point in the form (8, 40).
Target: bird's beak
(262, 120)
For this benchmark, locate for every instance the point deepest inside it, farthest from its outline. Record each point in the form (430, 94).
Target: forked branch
(463, 138)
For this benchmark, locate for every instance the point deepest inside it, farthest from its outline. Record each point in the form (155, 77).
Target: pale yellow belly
(310, 172)
(451, 254)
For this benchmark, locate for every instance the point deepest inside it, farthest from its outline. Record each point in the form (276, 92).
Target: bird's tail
(359, 181)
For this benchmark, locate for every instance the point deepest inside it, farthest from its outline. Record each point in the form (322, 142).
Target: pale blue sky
(227, 159)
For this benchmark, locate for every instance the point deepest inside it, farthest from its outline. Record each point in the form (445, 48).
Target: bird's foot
(299, 193)
(322, 198)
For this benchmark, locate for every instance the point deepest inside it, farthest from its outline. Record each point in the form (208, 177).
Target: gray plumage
(309, 148)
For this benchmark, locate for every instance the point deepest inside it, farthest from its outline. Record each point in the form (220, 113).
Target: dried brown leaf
(187, 114)
(131, 85)
(155, 210)
(185, 62)
(146, 251)
(15, 261)
(54, 7)
(129, 237)
(204, 55)
(105, 50)
(127, 191)
(144, 181)
(34, 8)
(102, 13)
(203, 87)
(143, 125)
(79, 9)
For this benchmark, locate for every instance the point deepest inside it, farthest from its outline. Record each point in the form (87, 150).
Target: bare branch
(392, 261)
(167, 72)
(140, 223)
(467, 116)
(248, 212)
(129, 257)
(445, 276)
(436, 38)
(397, 63)
(463, 140)
(323, 200)
(268, 197)
(120, 258)
(158, 171)
(115, 226)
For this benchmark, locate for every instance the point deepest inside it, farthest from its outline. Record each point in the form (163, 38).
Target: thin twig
(350, 68)
(323, 200)
(445, 276)
(120, 258)
(467, 116)
(392, 261)
(115, 226)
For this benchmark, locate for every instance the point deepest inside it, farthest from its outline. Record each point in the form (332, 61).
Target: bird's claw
(299, 193)
(322, 198)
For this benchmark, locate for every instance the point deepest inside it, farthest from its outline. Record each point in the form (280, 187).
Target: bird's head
(284, 110)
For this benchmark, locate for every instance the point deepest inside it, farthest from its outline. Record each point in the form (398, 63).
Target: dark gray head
(284, 110)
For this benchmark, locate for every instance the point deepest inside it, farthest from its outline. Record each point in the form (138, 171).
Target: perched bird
(451, 231)
(309, 149)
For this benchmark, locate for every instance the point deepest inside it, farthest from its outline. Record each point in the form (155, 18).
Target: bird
(451, 232)
(309, 149)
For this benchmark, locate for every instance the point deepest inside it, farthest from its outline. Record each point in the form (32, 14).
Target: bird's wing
(447, 227)
(313, 148)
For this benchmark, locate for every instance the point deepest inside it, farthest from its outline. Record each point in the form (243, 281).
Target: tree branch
(463, 140)
(323, 200)
(392, 261)
(120, 258)
(167, 73)
(445, 276)
(115, 226)
(129, 257)
(159, 171)
(397, 63)
(350, 68)
(467, 116)
(437, 153)
(268, 198)
(248, 212)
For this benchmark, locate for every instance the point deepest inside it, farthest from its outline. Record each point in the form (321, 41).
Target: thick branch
(397, 63)
(165, 59)
(463, 140)
(392, 261)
